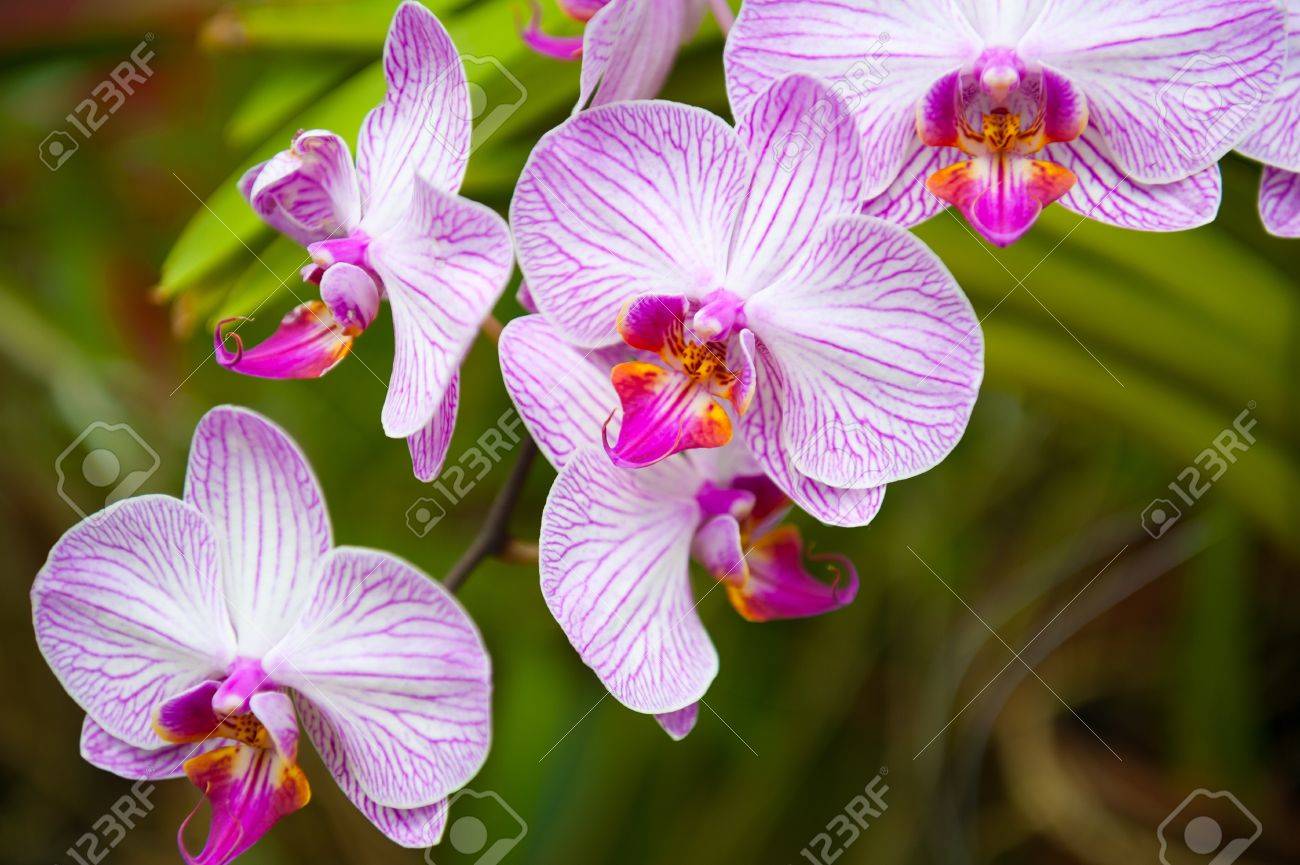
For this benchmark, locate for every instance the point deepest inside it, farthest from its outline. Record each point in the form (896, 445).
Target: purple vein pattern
(192, 631)
(1276, 142)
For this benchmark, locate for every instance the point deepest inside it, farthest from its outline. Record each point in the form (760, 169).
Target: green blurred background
(1161, 664)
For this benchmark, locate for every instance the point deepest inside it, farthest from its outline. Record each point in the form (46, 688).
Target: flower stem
(493, 538)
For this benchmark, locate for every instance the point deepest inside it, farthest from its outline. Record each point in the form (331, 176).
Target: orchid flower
(616, 544)
(392, 227)
(749, 293)
(1276, 142)
(196, 632)
(1118, 110)
(627, 46)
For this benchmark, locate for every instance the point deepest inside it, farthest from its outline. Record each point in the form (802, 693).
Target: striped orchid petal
(422, 128)
(444, 267)
(105, 751)
(1279, 202)
(879, 353)
(130, 609)
(397, 668)
(1106, 194)
(257, 491)
(615, 546)
(627, 47)
(563, 393)
(1276, 142)
(622, 201)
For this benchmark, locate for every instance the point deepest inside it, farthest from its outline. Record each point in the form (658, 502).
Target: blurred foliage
(1114, 358)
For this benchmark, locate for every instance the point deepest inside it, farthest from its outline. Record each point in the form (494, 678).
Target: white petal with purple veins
(410, 827)
(761, 428)
(394, 663)
(562, 394)
(129, 610)
(808, 169)
(1276, 141)
(1279, 202)
(1104, 193)
(615, 545)
(880, 354)
(880, 55)
(907, 201)
(1172, 85)
(444, 267)
(628, 47)
(429, 446)
(256, 488)
(422, 128)
(103, 750)
(625, 200)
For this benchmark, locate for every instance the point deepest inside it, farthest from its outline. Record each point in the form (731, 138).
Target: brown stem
(491, 328)
(493, 539)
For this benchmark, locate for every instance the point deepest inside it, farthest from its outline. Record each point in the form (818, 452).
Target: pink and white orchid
(392, 227)
(1118, 110)
(195, 632)
(747, 292)
(616, 544)
(627, 47)
(1276, 142)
